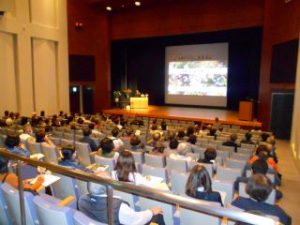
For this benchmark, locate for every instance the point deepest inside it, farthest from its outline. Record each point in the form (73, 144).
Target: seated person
(95, 132)
(135, 143)
(94, 205)
(129, 132)
(184, 148)
(212, 132)
(272, 148)
(27, 133)
(180, 134)
(68, 159)
(173, 144)
(190, 131)
(158, 149)
(41, 137)
(247, 139)
(260, 166)
(232, 142)
(192, 139)
(198, 185)
(87, 139)
(156, 138)
(12, 143)
(259, 188)
(12, 179)
(107, 149)
(118, 143)
(125, 169)
(210, 155)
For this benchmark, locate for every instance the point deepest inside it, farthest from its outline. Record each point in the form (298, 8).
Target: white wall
(34, 72)
(295, 138)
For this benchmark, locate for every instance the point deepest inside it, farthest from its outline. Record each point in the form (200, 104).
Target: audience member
(41, 137)
(136, 144)
(68, 159)
(173, 144)
(232, 142)
(87, 139)
(107, 147)
(247, 139)
(12, 143)
(118, 143)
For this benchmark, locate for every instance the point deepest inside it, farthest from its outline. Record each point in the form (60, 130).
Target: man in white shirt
(94, 205)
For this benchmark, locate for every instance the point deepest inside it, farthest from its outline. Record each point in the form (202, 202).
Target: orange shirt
(270, 162)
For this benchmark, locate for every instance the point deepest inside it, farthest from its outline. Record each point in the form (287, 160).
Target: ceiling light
(137, 3)
(108, 8)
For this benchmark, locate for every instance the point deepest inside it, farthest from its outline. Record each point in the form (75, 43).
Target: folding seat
(178, 182)
(131, 199)
(58, 134)
(228, 174)
(226, 148)
(235, 164)
(191, 217)
(33, 147)
(50, 153)
(55, 140)
(248, 146)
(178, 165)
(4, 214)
(155, 171)
(11, 196)
(155, 160)
(69, 136)
(49, 214)
(110, 162)
(83, 152)
(82, 219)
(138, 157)
(239, 156)
(66, 142)
(193, 156)
(242, 192)
(226, 187)
(223, 154)
(246, 151)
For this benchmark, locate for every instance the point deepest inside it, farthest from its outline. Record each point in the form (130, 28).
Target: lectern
(246, 110)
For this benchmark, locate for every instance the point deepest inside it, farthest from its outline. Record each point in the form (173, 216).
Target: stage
(186, 113)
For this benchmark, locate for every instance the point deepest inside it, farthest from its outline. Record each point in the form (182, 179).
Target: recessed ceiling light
(137, 3)
(108, 8)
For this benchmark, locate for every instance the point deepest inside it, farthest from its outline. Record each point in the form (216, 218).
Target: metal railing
(187, 203)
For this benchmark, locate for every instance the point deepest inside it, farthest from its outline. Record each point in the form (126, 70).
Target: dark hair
(212, 132)
(67, 152)
(192, 139)
(199, 177)
(80, 120)
(115, 132)
(107, 145)
(91, 126)
(163, 125)
(260, 166)
(42, 113)
(210, 153)
(262, 152)
(135, 140)
(173, 144)
(40, 136)
(259, 187)
(12, 140)
(125, 165)
(248, 136)
(129, 131)
(190, 131)
(3, 165)
(180, 133)
(87, 132)
(264, 136)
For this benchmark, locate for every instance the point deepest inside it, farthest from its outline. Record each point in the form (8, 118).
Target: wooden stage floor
(185, 113)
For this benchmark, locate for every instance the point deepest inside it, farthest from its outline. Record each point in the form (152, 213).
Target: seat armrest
(66, 201)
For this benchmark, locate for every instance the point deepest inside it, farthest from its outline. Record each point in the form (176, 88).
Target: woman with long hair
(198, 185)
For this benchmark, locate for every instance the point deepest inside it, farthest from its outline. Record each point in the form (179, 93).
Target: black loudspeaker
(282, 114)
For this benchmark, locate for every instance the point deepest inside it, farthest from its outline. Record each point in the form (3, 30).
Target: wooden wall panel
(281, 24)
(186, 17)
(92, 39)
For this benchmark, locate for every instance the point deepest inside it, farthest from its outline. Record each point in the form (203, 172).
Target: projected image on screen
(197, 78)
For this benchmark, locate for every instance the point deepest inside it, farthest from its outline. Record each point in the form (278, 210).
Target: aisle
(291, 181)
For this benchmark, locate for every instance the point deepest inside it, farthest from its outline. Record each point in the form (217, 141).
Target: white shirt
(135, 178)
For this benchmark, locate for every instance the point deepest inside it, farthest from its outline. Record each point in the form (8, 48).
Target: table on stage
(139, 103)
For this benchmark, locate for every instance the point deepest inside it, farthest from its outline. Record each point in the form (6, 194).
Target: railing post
(110, 211)
(21, 193)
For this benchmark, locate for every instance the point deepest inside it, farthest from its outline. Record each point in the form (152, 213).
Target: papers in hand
(37, 156)
(49, 179)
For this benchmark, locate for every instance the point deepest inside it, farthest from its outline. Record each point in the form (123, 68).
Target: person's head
(154, 127)
(156, 136)
(271, 141)
(27, 128)
(80, 120)
(12, 140)
(190, 131)
(3, 165)
(87, 132)
(233, 137)
(125, 165)
(163, 125)
(217, 119)
(262, 152)
(6, 113)
(259, 187)
(212, 131)
(180, 133)
(107, 145)
(158, 148)
(173, 144)
(42, 113)
(192, 139)
(171, 135)
(183, 148)
(67, 153)
(40, 135)
(129, 131)
(264, 136)
(135, 140)
(198, 178)
(210, 154)
(248, 136)
(260, 166)
(91, 126)
(115, 132)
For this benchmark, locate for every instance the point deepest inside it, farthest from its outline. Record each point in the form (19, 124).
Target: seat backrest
(168, 210)
(155, 160)
(191, 217)
(178, 165)
(154, 171)
(223, 154)
(228, 174)
(11, 196)
(242, 192)
(138, 157)
(50, 153)
(110, 162)
(271, 176)
(226, 148)
(239, 156)
(235, 164)
(248, 146)
(49, 214)
(66, 142)
(4, 215)
(82, 219)
(83, 151)
(34, 147)
(55, 140)
(131, 199)
(224, 186)
(178, 182)
(64, 187)
(69, 136)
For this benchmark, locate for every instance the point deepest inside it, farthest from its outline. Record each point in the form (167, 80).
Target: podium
(246, 110)
(139, 102)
